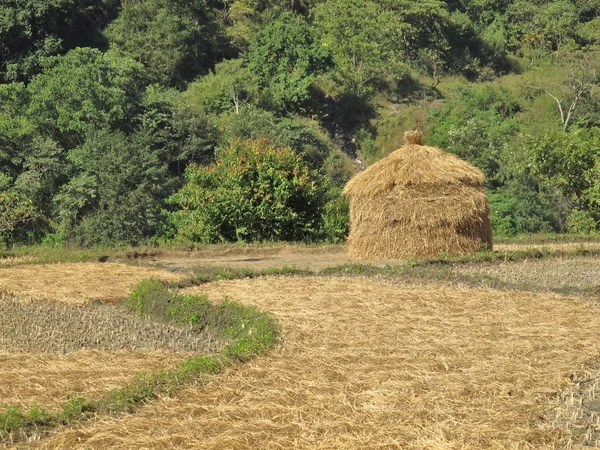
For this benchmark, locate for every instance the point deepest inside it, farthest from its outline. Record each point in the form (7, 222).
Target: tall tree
(33, 29)
(85, 90)
(175, 40)
(363, 38)
(286, 58)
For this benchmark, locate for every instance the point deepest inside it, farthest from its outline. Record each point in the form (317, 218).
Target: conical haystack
(418, 202)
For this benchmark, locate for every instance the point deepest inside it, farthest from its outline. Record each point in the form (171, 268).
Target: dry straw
(77, 283)
(418, 202)
(366, 365)
(49, 380)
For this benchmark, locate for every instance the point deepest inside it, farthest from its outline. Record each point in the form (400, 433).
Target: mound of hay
(418, 202)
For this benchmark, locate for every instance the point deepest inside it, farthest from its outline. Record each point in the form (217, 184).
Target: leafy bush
(581, 222)
(15, 213)
(254, 192)
(336, 219)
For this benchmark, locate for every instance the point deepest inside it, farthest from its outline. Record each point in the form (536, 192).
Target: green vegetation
(105, 103)
(253, 192)
(248, 331)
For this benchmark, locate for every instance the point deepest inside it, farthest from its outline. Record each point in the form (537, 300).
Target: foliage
(362, 37)
(225, 90)
(581, 222)
(302, 136)
(286, 58)
(96, 90)
(15, 213)
(253, 192)
(336, 218)
(31, 30)
(570, 161)
(114, 194)
(173, 39)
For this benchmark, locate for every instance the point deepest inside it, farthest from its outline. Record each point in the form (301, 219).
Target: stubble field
(363, 362)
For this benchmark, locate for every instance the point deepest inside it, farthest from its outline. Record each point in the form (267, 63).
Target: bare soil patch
(77, 283)
(302, 257)
(305, 257)
(371, 365)
(48, 380)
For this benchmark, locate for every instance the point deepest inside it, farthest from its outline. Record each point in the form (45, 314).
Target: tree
(173, 39)
(116, 190)
(286, 58)
(31, 30)
(363, 38)
(225, 90)
(16, 211)
(84, 90)
(253, 192)
(578, 83)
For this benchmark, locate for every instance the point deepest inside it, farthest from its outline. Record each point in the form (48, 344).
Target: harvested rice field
(62, 334)
(365, 364)
(77, 283)
(552, 273)
(50, 379)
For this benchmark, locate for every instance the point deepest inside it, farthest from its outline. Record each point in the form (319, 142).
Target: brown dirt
(41, 379)
(301, 256)
(77, 283)
(370, 365)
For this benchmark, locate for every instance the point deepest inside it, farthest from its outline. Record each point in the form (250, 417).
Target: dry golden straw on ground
(371, 365)
(418, 202)
(38, 379)
(77, 283)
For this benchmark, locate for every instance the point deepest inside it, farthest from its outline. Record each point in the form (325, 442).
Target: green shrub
(254, 192)
(336, 220)
(581, 222)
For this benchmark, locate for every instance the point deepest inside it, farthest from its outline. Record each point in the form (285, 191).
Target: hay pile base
(370, 365)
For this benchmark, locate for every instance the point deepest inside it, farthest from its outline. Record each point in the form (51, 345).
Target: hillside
(127, 122)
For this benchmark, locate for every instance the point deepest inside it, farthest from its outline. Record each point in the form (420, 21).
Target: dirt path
(301, 256)
(370, 365)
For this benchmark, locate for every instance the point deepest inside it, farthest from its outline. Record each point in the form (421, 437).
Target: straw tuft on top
(413, 137)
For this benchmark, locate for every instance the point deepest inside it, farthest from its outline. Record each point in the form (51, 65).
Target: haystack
(418, 202)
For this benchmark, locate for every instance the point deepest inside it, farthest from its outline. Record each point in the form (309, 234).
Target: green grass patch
(247, 330)
(208, 274)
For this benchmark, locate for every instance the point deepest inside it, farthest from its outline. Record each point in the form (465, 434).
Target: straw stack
(418, 202)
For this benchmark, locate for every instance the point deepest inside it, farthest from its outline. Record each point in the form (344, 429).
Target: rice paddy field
(469, 355)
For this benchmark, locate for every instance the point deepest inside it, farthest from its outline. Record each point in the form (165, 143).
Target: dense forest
(182, 121)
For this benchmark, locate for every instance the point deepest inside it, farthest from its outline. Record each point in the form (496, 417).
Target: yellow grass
(37, 379)
(77, 283)
(371, 365)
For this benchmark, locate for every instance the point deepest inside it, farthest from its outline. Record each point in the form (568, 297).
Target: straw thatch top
(413, 137)
(414, 166)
